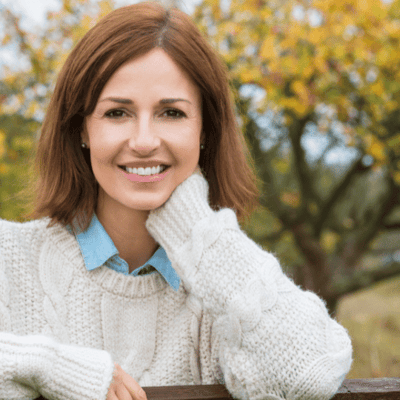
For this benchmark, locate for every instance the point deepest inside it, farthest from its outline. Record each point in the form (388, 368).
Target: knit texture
(236, 319)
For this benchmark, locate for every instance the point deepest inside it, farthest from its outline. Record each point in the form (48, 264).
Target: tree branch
(362, 279)
(317, 268)
(270, 193)
(274, 236)
(355, 246)
(333, 143)
(336, 193)
(391, 226)
(296, 130)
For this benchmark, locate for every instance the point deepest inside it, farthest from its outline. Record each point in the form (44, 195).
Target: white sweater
(237, 319)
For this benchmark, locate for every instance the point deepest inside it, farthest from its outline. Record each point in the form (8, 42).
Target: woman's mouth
(148, 174)
(148, 171)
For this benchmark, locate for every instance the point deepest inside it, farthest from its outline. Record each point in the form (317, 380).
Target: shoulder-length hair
(66, 188)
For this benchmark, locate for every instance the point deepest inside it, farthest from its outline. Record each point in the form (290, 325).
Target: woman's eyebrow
(129, 101)
(117, 100)
(168, 101)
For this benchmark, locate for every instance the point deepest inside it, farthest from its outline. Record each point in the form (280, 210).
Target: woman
(138, 274)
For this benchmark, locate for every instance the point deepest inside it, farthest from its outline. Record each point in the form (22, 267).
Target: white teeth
(145, 171)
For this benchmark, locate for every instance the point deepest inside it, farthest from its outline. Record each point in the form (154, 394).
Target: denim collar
(98, 249)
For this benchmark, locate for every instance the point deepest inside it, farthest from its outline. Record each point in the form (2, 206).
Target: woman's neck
(127, 229)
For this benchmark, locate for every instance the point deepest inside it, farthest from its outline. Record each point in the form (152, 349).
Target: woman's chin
(148, 205)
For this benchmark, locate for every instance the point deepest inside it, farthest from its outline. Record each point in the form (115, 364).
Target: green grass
(372, 318)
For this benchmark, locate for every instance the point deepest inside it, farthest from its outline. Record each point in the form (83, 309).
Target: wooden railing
(352, 389)
(369, 389)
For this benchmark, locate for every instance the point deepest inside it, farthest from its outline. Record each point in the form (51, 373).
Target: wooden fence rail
(369, 389)
(352, 389)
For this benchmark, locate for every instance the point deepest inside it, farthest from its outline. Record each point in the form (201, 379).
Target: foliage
(16, 146)
(328, 73)
(25, 89)
(335, 60)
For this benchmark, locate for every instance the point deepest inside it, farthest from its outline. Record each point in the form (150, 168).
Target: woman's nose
(144, 138)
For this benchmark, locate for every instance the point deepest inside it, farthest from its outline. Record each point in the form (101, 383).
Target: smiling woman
(146, 118)
(158, 124)
(130, 35)
(136, 272)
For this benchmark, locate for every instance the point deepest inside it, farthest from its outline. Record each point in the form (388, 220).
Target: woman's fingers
(124, 387)
(133, 387)
(111, 395)
(123, 393)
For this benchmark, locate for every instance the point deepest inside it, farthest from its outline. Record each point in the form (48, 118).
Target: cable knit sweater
(236, 319)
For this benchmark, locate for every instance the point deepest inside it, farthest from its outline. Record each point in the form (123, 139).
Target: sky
(34, 11)
(33, 14)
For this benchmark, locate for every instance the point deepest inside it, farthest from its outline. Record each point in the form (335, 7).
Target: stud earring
(84, 145)
(202, 147)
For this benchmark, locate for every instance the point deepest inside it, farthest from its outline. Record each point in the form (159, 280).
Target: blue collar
(98, 249)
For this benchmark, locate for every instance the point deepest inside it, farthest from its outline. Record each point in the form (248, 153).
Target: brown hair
(66, 187)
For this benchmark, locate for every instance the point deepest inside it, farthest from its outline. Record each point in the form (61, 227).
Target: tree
(25, 88)
(330, 70)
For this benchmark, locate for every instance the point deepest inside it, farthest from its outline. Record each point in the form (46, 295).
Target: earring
(84, 145)
(202, 147)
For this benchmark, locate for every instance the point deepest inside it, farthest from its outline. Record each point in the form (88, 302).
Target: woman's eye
(173, 113)
(115, 114)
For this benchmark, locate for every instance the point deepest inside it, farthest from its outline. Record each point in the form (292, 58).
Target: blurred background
(317, 88)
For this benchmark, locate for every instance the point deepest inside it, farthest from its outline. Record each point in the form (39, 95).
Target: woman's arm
(272, 340)
(35, 364)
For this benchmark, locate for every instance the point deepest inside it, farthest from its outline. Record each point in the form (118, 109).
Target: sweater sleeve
(36, 364)
(271, 339)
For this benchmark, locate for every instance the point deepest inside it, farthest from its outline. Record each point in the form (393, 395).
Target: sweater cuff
(171, 224)
(57, 370)
(325, 376)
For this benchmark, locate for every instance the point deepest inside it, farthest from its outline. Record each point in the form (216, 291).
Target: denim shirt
(98, 249)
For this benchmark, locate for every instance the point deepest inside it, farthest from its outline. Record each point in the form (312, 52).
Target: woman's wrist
(56, 369)
(171, 224)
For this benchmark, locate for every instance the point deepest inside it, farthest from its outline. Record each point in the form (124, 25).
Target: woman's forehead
(155, 70)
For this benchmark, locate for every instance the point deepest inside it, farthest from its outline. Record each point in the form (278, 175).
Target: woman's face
(144, 133)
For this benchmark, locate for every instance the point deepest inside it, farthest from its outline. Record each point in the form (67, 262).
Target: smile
(145, 171)
(154, 174)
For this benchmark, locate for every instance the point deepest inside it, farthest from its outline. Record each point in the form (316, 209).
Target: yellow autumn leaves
(344, 55)
(303, 53)
(4, 168)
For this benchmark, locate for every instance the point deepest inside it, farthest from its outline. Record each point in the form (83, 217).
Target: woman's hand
(124, 387)
(171, 225)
